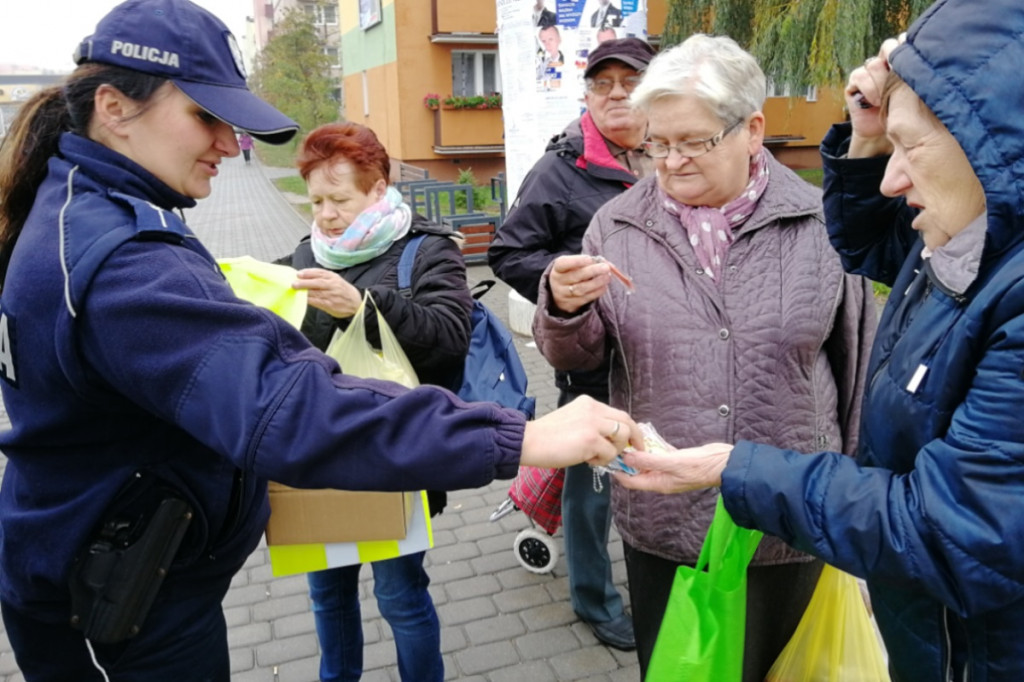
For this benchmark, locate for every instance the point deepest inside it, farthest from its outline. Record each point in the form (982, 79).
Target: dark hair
(36, 130)
(336, 142)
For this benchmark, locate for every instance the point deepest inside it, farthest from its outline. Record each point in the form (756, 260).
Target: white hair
(714, 69)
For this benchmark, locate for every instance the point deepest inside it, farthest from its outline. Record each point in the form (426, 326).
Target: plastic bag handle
(725, 538)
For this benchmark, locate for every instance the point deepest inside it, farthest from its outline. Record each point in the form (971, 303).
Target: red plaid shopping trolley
(538, 494)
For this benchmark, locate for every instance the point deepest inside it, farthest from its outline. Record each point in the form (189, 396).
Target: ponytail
(36, 131)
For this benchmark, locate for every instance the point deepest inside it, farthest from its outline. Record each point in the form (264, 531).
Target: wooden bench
(477, 232)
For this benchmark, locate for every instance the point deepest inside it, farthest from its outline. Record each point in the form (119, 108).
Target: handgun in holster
(116, 576)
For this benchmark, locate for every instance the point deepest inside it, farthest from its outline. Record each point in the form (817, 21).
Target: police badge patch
(236, 54)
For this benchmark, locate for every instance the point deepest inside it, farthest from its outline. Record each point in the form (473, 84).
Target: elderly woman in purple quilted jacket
(741, 324)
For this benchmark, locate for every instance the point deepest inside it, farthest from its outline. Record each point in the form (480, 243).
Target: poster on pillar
(543, 47)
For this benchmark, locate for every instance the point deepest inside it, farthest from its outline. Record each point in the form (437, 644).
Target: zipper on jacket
(948, 663)
(904, 323)
(960, 299)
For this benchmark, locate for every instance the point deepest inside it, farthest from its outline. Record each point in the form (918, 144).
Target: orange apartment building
(395, 52)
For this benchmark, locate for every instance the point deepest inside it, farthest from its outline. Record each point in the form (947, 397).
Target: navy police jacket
(123, 349)
(930, 511)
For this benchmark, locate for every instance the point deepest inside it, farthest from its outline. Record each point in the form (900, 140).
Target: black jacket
(432, 325)
(558, 198)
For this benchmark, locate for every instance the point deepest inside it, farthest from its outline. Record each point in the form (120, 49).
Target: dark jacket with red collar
(576, 176)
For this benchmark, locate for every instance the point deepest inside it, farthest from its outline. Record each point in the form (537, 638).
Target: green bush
(481, 195)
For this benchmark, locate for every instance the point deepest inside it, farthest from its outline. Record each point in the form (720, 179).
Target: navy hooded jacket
(930, 511)
(124, 349)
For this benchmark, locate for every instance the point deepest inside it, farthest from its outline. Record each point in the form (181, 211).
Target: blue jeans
(181, 639)
(400, 586)
(586, 521)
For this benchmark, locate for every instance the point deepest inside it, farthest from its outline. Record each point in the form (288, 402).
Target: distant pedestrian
(245, 144)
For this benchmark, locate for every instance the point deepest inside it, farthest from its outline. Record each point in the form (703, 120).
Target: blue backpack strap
(405, 265)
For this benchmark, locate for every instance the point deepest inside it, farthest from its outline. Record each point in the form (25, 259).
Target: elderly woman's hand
(678, 471)
(328, 292)
(863, 97)
(577, 280)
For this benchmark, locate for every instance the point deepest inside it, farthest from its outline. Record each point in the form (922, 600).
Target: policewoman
(149, 405)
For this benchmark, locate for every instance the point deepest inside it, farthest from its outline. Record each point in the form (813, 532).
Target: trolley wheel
(536, 551)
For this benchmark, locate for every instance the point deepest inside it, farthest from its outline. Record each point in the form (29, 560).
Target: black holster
(116, 576)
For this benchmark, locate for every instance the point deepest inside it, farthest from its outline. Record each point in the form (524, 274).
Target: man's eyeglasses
(603, 86)
(688, 149)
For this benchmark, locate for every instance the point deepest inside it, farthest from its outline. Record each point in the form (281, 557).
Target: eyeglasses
(603, 86)
(688, 149)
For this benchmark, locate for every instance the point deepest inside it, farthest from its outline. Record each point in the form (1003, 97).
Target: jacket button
(700, 271)
(723, 410)
(649, 223)
(723, 334)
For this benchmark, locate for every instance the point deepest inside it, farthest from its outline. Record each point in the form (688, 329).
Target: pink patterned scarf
(710, 230)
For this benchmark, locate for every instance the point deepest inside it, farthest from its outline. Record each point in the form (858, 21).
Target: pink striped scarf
(711, 230)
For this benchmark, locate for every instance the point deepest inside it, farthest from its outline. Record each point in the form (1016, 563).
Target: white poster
(543, 47)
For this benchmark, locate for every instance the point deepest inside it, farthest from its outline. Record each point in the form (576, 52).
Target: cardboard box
(301, 517)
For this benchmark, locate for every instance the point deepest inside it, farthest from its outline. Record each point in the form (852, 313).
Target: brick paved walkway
(500, 623)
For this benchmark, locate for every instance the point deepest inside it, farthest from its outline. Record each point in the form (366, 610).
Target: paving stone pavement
(500, 623)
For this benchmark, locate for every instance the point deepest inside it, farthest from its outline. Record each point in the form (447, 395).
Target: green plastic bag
(702, 633)
(267, 285)
(357, 357)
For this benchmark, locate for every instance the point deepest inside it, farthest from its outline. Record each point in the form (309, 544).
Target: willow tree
(293, 72)
(797, 42)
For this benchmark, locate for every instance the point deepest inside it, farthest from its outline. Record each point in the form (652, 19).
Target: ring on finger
(615, 431)
(572, 290)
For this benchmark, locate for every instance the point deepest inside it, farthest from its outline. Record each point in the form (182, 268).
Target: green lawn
(278, 155)
(293, 183)
(811, 175)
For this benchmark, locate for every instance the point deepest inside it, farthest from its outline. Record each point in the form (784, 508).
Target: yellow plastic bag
(267, 285)
(835, 641)
(357, 357)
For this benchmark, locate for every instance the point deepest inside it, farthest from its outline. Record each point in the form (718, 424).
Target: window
(369, 13)
(326, 13)
(475, 72)
(333, 56)
(810, 94)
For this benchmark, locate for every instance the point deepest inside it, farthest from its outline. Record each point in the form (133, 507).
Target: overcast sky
(45, 33)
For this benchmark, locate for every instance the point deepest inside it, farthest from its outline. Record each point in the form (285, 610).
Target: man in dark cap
(593, 160)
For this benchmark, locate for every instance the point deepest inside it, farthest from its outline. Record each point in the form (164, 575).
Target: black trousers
(182, 640)
(776, 599)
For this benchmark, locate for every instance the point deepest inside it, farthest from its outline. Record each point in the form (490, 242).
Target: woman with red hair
(360, 228)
